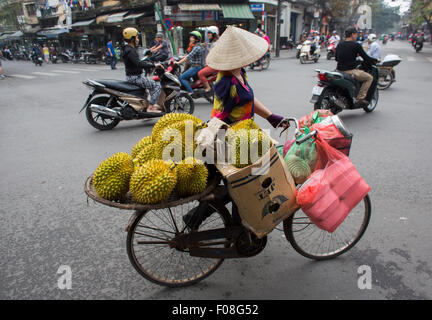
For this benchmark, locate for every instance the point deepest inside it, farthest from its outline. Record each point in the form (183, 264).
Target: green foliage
(383, 16)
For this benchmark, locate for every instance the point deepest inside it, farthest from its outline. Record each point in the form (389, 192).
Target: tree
(383, 16)
(421, 12)
(343, 13)
(9, 10)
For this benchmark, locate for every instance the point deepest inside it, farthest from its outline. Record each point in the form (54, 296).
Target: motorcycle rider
(374, 48)
(133, 68)
(315, 38)
(36, 52)
(195, 57)
(160, 48)
(213, 35)
(419, 40)
(346, 54)
(335, 38)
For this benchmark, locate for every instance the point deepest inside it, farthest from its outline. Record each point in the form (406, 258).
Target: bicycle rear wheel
(314, 243)
(155, 254)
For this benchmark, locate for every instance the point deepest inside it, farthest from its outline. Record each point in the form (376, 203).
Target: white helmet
(372, 37)
(213, 29)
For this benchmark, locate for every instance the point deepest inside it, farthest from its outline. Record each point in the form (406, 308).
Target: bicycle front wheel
(153, 251)
(314, 243)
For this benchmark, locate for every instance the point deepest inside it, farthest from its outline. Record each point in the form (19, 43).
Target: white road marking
(430, 59)
(46, 74)
(411, 59)
(65, 71)
(88, 70)
(21, 76)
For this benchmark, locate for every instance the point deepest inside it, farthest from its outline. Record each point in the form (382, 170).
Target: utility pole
(278, 26)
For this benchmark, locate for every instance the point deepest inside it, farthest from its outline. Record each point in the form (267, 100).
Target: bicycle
(168, 252)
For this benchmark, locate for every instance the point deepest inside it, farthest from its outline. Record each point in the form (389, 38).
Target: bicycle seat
(123, 86)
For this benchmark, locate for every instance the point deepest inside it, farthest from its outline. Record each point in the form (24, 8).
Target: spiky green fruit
(192, 177)
(111, 178)
(170, 119)
(247, 146)
(137, 148)
(146, 154)
(177, 141)
(153, 181)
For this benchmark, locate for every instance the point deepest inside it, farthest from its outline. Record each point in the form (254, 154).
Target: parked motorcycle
(53, 58)
(305, 52)
(67, 56)
(112, 101)
(265, 62)
(336, 90)
(386, 73)
(331, 49)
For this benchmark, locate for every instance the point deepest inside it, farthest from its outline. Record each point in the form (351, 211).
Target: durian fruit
(153, 181)
(147, 153)
(140, 145)
(298, 168)
(177, 141)
(247, 146)
(245, 124)
(111, 178)
(169, 119)
(192, 177)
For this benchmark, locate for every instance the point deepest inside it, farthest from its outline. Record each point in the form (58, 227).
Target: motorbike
(53, 58)
(385, 39)
(265, 62)
(418, 45)
(67, 56)
(299, 46)
(336, 90)
(331, 49)
(112, 101)
(306, 55)
(37, 59)
(197, 86)
(386, 73)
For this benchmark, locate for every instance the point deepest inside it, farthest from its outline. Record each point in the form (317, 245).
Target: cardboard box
(264, 192)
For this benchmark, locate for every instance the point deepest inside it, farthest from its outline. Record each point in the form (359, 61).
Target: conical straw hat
(236, 48)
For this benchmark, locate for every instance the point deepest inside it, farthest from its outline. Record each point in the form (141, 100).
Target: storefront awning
(199, 7)
(116, 17)
(134, 16)
(237, 11)
(83, 23)
(4, 36)
(52, 33)
(15, 36)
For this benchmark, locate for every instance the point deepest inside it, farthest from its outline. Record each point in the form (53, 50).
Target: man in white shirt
(374, 48)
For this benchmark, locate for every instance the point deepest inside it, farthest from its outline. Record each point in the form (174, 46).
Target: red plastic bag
(314, 117)
(333, 189)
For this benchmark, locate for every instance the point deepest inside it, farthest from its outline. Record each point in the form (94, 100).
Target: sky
(404, 4)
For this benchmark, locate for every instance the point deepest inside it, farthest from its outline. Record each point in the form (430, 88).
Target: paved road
(48, 150)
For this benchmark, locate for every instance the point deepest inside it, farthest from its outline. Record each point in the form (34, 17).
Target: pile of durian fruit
(150, 179)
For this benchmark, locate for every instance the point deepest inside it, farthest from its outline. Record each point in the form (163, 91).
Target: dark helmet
(349, 31)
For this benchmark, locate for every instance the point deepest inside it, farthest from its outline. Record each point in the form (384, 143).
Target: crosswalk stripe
(65, 71)
(46, 74)
(21, 76)
(411, 59)
(89, 70)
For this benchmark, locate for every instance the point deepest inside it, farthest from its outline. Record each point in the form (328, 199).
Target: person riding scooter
(195, 57)
(346, 55)
(374, 48)
(133, 68)
(159, 48)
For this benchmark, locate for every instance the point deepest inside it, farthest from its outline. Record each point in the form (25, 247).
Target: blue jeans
(113, 62)
(184, 78)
